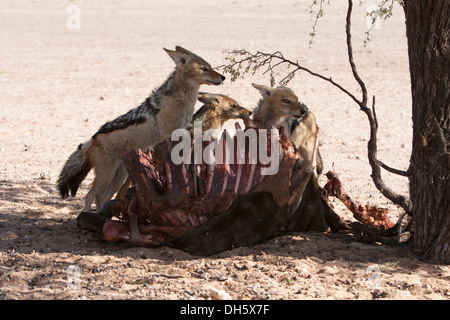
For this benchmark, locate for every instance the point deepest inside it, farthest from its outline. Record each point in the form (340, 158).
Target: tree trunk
(428, 32)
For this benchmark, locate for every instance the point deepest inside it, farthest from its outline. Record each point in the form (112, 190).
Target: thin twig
(283, 60)
(317, 17)
(170, 276)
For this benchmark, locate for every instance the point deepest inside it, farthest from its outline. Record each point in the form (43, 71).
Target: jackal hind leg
(123, 189)
(104, 175)
(116, 182)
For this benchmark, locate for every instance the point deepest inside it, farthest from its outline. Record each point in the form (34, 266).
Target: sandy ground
(58, 86)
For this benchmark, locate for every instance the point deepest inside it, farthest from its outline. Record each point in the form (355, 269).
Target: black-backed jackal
(280, 107)
(169, 107)
(218, 109)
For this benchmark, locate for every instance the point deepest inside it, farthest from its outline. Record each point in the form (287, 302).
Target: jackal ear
(207, 98)
(182, 50)
(178, 57)
(264, 90)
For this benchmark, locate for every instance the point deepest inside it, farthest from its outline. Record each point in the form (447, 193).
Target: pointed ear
(177, 57)
(182, 50)
(207, 98)
(264, 90)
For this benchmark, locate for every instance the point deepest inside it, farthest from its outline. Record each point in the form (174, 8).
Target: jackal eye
(287, 101)
(204, 69)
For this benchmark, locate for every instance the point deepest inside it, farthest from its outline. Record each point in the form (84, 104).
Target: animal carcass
(208, 207)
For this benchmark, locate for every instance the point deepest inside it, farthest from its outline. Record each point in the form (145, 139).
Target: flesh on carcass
(206, 208)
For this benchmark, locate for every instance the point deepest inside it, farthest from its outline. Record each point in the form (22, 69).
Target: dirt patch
(58, 86)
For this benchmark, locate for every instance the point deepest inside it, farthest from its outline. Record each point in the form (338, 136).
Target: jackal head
(225, 107)
(280, 107)
(191, 68)
(277, 104)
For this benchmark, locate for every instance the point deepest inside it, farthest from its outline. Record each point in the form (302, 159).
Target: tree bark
(428, 32)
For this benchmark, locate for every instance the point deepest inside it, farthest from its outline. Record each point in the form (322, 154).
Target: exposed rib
(169, 177)
(193, 219)
(250, 179)
(238, 178)
(166, 159)
(210, 178)
(182, 217)
(186, 180)
(225, 181)
(195, 179)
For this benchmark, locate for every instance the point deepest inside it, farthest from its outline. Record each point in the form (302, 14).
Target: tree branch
(253, 62)
(392, 170)
(235, 66)
(372, 143)
(363, 103)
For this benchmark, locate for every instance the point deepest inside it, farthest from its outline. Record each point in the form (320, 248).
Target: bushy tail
(75, 170)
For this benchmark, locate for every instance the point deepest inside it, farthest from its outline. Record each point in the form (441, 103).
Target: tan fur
(217, 110)
(277, 106)
(306, 139)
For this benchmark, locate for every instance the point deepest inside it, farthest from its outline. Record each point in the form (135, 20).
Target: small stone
(44, 176)
(303, 272)
(328, 271)
(217, 294)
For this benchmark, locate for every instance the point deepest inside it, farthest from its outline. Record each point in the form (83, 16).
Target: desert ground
(59, 84)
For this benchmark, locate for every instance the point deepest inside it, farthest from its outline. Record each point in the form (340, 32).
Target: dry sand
(58, 86)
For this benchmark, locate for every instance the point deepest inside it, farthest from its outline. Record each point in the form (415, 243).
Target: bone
(224, 184)
(177, 187)
(251, 175)
(196, 178)
(238, 178)
(174, 171)
(193, 219)
(135, 236)
(137, 172)
(220, 180)
(152, 172)
(247, 175)
(233, 169)
(210, 174)
(220, 176)
(163, 218)
(187, 179)
(167, 166)
(172, 218)
(221, 170)
(210, 179)
(182, 217)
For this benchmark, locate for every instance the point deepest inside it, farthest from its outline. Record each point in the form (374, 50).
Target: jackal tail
(74, 171)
